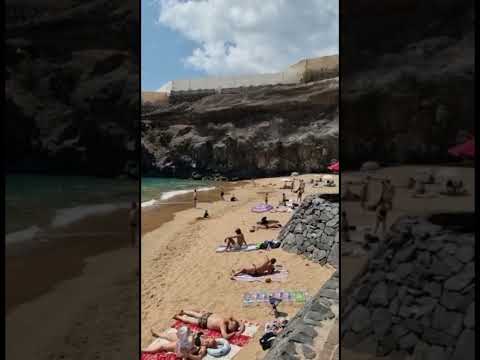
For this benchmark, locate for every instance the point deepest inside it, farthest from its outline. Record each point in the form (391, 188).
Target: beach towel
(249, 247)
(280, 275)
(237, 342)
(259, 208)
(263, 297)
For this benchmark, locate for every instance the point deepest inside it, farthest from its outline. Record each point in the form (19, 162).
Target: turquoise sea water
(36, 203)
(157, 189)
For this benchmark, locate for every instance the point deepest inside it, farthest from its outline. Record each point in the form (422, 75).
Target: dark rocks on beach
(316, 238)
(416, 296)
(318, 313)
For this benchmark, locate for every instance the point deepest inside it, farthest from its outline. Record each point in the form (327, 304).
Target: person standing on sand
(266, 198)
(133, 222)
(195, 198)
(388, 194)
(345, 227)
(300, 193)
(222, 195)
(381, 219)
(364, 192)
(228, 327)
(284, 199)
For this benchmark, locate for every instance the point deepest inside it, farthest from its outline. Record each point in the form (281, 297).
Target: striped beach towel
(250, 247)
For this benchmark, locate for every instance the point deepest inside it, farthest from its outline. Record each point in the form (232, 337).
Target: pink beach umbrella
(262, 208)
(334, 167)
(466, 149)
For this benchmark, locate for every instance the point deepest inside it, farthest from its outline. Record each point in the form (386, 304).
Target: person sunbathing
(181, 342)
(228, 327)
(267, 268)
(240, 240)
(268, 224)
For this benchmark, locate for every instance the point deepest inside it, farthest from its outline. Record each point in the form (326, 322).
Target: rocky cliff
(262, 131)
(409, 93)
(72, 97)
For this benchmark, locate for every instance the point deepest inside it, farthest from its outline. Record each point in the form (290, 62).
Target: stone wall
(417, 295)
(313, 230)
(308, 326)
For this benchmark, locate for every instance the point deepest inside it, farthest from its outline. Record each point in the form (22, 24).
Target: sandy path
(181, 270)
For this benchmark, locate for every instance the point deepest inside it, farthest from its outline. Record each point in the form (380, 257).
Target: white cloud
(252, 36)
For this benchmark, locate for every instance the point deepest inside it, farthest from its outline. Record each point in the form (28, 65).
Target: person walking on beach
(381, 218)
(364, 192)
(228, 326)
(195, 198)
(345, 227)
(284, 199)
(133, 222)
(266, 198)
(388, 194)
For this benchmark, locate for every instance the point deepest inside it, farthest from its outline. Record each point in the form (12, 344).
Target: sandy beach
(84, 300)
(181, 270)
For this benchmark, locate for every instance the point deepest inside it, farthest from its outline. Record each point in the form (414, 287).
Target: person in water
(185, 345)
(228, 326)
(267, 268)
(239, 237)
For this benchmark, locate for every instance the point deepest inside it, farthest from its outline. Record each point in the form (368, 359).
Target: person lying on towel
(183, 343)
(268, 224)
(240, 240)
(267, 268)
(228, 326)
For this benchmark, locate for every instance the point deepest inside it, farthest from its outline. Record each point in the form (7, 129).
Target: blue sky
(184, 39)
(162, 51)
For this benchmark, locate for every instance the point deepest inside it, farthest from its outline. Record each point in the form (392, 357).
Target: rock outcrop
(408, 94)
(261, 131)
(418, 293)
(315, 323)
(312, 231)
(72, 97)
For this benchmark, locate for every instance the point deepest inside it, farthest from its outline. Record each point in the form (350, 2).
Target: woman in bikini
(230, 241)
(185, 345)
(267, 268)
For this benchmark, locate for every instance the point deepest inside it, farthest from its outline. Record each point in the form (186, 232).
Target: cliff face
(257, 132)
(408, 95)
(72, 97)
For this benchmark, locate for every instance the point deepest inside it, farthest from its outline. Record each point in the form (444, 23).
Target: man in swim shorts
(228, 326)
(230, 240)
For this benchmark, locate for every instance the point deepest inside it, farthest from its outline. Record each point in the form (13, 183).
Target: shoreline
(183, 244)
(68, 253)
(152, 217)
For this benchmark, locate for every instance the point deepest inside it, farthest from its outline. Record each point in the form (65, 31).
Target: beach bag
(266, 340)
(263, 245)
(275, 244)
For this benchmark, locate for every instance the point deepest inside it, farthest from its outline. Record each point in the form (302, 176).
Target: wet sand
(58, 290)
